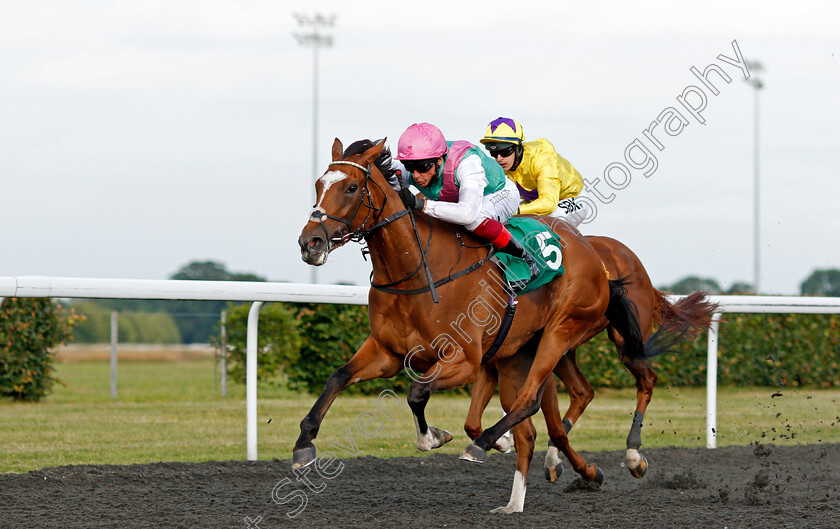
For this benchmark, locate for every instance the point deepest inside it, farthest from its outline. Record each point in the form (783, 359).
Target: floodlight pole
(316, 40)
(757, 84)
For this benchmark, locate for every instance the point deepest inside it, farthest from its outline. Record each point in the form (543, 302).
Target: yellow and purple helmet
(503, 130)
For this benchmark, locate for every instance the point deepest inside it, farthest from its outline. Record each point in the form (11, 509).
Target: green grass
(169, 411)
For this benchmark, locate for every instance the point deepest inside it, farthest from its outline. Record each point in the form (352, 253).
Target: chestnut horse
(446, 341)
(684, 319)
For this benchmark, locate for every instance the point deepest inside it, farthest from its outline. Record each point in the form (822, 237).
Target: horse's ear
(370, 155)
(337, 150)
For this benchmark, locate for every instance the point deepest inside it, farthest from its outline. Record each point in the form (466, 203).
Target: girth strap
(504, 328)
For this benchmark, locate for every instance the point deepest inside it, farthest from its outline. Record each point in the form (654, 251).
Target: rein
(413, 291)
(425, 264)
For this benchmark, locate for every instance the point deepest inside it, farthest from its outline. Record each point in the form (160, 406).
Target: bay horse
(446, 341)
(686, 318)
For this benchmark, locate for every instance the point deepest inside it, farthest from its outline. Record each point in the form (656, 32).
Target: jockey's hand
(410, 201)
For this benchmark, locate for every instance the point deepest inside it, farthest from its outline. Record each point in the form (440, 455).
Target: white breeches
(499, 206)
(572, 211)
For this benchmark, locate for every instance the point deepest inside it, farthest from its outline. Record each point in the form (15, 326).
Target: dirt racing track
(735, 487)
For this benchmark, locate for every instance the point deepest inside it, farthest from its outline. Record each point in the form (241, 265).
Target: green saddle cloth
(544, 245)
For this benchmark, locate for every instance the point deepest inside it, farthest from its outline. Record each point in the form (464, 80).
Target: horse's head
(345, 205)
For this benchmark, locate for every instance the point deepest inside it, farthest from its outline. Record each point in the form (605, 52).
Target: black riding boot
(517, 250)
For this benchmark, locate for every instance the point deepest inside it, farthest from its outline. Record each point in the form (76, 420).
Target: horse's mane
(382, 162)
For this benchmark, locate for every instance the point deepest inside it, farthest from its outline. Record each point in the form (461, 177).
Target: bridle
(318, 214)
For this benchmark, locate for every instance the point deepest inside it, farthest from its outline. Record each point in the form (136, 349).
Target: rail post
(223, 356)
(711, 383)
(251, 378)
(114, 339)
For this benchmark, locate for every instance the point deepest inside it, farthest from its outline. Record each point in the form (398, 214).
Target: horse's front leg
(372, 360)
(443, 375)
(524, 435)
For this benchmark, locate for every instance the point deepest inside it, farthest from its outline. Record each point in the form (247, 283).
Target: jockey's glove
(410, 201)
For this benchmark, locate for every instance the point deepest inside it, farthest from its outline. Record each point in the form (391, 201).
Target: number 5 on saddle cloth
(544, 245)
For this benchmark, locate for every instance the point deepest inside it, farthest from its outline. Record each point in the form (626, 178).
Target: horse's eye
(352, 188)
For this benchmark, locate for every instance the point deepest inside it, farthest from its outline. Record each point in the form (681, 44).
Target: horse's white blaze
(634, 458)
(328, 180)
(517, 495)
(552, 457)
(424, 442)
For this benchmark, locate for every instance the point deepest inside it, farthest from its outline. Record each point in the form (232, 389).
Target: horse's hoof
(473, 453)
(441, 436)
(303, 457)
(552, 473)
(507, 509)
(639, 471)
(553, 466)
(598, 480)
(636, 463)
(433, 438)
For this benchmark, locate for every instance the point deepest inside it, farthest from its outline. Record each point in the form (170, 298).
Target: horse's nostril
(313, 243)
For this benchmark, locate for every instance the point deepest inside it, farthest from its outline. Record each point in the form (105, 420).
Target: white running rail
(71, 287)
(66, 287)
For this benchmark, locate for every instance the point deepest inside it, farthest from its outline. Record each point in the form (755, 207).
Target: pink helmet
(421, 141)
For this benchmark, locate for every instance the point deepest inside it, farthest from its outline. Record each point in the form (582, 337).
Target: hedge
(29, 329)
(278, 340)
(305, 343)
(754, 350)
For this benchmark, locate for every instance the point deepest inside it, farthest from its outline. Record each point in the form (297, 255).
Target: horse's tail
(624, 318)
(684, 319)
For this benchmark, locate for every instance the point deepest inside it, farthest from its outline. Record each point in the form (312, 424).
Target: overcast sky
(136, 137)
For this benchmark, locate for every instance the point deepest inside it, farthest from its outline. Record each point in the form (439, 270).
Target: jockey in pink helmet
(462, 185)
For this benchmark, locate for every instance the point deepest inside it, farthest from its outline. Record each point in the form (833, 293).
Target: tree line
(160, 321)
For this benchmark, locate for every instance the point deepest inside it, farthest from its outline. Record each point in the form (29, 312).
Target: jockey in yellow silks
(547, 182)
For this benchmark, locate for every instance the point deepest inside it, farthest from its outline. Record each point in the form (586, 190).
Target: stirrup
(518, 286)
(533, 267)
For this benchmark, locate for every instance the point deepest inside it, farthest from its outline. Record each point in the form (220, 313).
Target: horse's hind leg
(645, 381)
(482, 391)
(528, 400)
(580, 395)
(580, 390)
(550, 406)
